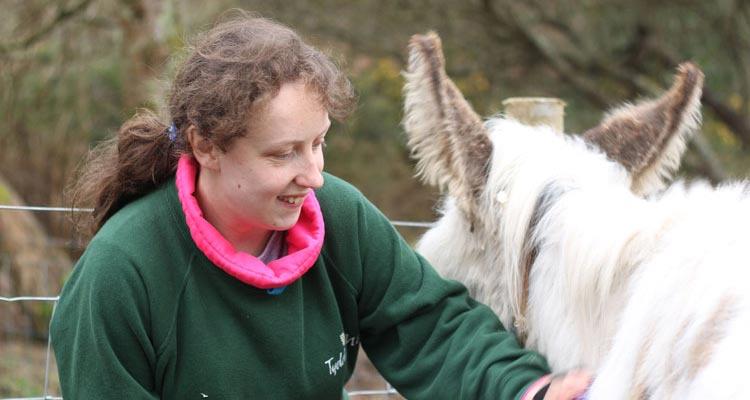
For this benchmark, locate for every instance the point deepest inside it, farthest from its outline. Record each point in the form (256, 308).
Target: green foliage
(4, 195)
(22, 367)
(378, 85)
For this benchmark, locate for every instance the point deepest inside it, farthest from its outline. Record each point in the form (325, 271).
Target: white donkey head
(500, 175)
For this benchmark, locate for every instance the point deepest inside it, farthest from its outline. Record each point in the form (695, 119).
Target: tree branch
(569, 67)
(735, 121)
(62, 15)
(537, 44)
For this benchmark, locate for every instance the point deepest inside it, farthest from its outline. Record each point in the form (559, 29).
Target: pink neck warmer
(304, 240)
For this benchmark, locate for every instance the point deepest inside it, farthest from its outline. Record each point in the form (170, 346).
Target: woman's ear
(204, 151)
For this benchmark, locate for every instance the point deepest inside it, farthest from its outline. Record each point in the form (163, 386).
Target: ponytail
(119, 170)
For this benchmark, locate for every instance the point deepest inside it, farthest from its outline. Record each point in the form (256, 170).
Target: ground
(22, 366)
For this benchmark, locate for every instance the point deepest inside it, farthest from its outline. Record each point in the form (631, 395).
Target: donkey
(579, 246)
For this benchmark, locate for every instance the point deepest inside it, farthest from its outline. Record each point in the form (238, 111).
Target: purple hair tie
(172, 132)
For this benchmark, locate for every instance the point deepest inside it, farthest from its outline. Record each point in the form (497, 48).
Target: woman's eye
(284, 156)
(321, 144)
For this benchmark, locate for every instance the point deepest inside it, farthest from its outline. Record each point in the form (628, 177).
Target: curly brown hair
(230, 73)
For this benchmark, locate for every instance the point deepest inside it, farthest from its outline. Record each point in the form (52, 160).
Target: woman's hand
(571, 385)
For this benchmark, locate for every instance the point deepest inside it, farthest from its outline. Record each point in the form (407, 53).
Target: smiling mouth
(293, 200)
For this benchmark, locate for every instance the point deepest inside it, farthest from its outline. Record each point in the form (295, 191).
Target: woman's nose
(312, 178)
(311, 173)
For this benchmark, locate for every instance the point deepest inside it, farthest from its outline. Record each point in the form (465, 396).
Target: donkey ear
(649, 138)
(446, 136)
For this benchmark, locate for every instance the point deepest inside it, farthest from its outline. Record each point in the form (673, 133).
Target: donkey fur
(578, 245)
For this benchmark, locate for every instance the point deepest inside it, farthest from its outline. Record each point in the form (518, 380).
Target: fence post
(537, 111)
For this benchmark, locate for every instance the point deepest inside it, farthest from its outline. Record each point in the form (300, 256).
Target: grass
(22, 366)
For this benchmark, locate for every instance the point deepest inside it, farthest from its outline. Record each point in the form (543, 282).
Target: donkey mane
(532, 195)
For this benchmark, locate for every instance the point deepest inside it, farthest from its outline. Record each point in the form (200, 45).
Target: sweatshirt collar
(303, 241)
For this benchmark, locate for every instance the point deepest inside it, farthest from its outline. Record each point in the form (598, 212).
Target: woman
(226, 264)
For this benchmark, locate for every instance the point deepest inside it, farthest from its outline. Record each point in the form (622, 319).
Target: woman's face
(262, 180)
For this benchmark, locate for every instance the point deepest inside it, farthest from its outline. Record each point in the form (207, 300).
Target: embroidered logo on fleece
(335, 363)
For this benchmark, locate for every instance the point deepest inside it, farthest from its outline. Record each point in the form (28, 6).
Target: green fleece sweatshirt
(145, 315)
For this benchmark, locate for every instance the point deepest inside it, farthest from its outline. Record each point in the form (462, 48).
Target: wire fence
(387, 390)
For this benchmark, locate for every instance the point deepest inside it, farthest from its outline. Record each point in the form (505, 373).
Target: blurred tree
(628, 48)
(71, 71)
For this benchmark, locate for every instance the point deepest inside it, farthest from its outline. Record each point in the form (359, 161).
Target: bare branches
(735, 121)
(62, 15)
(520, 24)
(580, 64)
